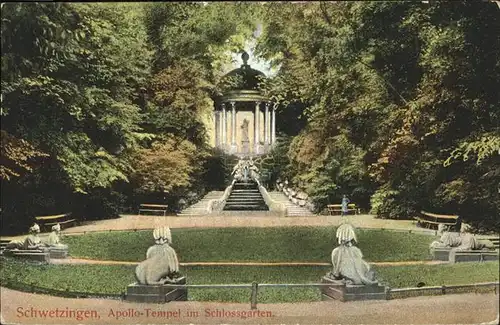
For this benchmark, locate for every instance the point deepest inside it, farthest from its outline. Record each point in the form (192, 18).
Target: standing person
(345, 205)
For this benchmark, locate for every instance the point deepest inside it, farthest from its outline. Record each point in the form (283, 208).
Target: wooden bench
(494, 241)
(3, 244)
(335, 209)
(65, 220)
(153, 208)
(432, 220)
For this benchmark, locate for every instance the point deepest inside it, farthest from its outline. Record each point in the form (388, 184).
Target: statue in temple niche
(244, 131)
(347, 260)
(161, 265)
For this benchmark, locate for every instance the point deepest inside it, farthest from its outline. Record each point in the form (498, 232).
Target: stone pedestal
(440, 254)
(473, 256)
(29, 254)
(245, 148)
(451, 255)
(58, 252)
(233, 149)
(349, 292)
(158, 294)
(258, 149)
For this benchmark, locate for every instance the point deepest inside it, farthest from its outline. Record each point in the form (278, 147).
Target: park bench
(3, 244)
(335, 209)
(432, 220)
(64, 220)
(495, 241)
(153, 208)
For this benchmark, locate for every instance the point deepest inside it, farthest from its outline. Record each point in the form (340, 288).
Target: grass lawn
(114, 279)
(280, 244)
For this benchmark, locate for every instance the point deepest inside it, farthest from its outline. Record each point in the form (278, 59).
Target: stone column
(217, 128)
(266, 125)
(220, 129)
(256, 139)
(224, 127)
(234, 147)
(270, 125)
(273, 127)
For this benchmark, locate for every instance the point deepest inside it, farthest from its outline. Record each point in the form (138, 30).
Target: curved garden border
(398, 293)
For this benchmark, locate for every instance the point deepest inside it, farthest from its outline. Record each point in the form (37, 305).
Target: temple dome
(244, 77)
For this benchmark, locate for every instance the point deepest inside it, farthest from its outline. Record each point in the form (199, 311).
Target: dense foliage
(106, 100)
(401, 101)
(393, 103)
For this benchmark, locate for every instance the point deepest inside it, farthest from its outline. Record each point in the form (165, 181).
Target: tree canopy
(406, 92)
(393, 103)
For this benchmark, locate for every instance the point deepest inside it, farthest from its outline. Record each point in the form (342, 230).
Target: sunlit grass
(280, 244)
(113, 279)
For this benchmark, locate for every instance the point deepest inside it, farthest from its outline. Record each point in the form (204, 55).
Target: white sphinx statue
(460, 241)
(53, 240)
(239, 171)
(347, 259)
(254, 171)
(161, 265)
(31, 242)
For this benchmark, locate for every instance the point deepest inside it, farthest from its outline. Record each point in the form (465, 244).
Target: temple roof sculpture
(242, 84)
(245, 77)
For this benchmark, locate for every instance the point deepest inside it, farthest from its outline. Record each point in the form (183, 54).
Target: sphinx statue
(254, 171)
(238, 170)
(347, 260)
(31, 242)
(53, 240)
(161, 265)
(460, 241)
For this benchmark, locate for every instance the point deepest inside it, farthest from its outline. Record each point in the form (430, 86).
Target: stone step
(246, 194)
(256, 202)
(242, 196)
(201, 207)
(237, 204)
(244, 199)
(246, 208)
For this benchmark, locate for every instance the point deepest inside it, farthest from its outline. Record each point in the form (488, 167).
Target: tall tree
(400, 83)
(70, 78)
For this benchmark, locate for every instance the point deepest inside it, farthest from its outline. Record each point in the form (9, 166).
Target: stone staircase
(200, 207)
(245, 196)
(292, 209)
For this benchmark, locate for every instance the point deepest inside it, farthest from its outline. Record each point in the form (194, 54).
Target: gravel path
(149, 222)
(131, 222)
(20, 307)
